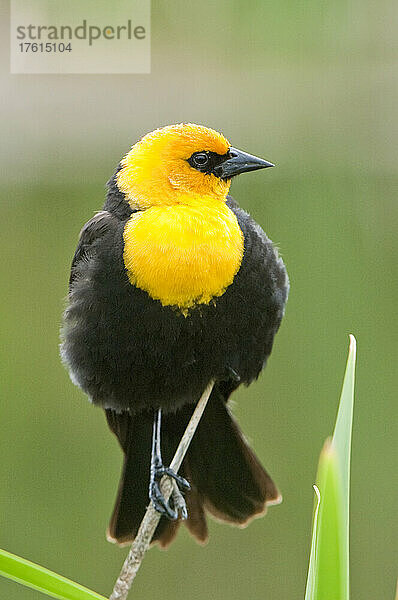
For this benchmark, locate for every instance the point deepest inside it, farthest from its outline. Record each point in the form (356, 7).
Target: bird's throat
(183, 255)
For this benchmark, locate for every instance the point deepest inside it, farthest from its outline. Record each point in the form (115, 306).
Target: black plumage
(131, 355)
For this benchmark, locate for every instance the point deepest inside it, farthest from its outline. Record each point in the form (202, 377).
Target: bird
(173, 285)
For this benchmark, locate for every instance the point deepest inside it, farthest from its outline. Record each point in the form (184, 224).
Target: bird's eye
(200, 159)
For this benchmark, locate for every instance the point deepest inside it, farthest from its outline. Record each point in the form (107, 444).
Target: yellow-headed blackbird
(173, 285)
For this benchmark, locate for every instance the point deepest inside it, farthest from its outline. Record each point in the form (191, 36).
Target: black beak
(239, 162)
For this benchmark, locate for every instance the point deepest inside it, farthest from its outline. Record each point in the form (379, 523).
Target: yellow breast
(183, 255)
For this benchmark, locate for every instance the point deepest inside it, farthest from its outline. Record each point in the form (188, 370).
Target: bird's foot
(157, 498)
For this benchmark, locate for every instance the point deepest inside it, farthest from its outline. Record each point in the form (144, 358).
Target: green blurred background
(311, 86)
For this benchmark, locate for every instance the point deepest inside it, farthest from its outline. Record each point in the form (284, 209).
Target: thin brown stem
(152, 517)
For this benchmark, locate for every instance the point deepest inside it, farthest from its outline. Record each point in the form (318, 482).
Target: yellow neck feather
(183, 255)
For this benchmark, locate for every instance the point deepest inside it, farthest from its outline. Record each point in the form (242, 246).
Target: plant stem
(152, 517)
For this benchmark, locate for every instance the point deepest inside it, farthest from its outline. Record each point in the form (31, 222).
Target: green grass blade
(328, 575)
(309, 592)
(330, 583)
(342, 444)
(37, 577)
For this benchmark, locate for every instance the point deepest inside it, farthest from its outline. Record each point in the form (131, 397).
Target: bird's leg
(157, 472)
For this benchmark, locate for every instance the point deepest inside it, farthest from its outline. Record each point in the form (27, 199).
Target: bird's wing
(263, 268)
(92, 231)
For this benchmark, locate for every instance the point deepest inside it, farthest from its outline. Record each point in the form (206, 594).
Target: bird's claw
(161, 470)
(159, 502)
(179, 502)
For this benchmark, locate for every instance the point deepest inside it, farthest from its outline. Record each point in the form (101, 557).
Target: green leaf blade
(39, 578)
(328, 575)
(342, 443)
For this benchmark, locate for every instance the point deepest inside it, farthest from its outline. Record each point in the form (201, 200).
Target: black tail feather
(134, 434)
(135, 439)
(234, 485)
(226, 477)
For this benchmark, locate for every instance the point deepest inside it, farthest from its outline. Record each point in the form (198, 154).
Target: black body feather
(131, 354)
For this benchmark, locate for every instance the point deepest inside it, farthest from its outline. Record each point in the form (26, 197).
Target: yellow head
(179, 164)
(156, 171)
